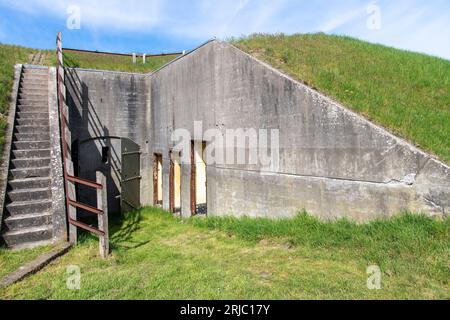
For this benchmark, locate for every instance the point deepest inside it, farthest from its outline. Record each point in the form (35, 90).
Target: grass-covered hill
(408, 93)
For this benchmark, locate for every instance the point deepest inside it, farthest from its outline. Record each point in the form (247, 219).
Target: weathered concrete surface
(333, 162)
(59, 220)
(113, 105)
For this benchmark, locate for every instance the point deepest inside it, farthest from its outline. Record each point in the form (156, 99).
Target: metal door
(130, 175)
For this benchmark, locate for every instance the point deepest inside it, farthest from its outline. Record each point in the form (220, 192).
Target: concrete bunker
(332, 162)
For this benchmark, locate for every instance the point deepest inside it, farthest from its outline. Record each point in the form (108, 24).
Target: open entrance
(198, 178)
(175, 183)
(157, 180)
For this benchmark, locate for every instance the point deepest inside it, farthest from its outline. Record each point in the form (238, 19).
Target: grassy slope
(116, 63)
(11, 260)
(408, 93)
(156, 256)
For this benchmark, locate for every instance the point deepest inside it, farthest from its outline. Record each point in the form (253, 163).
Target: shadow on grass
(121, 229)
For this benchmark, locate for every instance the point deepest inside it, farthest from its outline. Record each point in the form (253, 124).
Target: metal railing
(70, 181)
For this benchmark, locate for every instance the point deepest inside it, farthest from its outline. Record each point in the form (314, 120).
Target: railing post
(102, 203)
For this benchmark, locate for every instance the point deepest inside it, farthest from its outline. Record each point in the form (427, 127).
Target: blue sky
(154, 26)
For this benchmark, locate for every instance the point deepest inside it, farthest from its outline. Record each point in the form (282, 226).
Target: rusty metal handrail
(85, 182)
(85, 207)
(86, 227)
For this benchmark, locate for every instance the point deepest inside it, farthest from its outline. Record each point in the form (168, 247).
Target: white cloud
(339, 19)
(130, 15)
(409, 24)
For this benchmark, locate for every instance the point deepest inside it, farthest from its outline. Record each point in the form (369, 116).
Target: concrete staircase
(28, 203)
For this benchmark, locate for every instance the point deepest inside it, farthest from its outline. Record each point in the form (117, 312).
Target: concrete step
(34, 84)
(30, 194)
(28, 207)
(28, 70)
(23, 137)
(31, 183)
(37, 153)
(32, 122)
(30, 163)
(34, 94)
(38, 90)
(22, 221)
(42, 172)
(31, 145)
(33, 101)
(32, 115)
(41, 92)
(27, 108)
(27, 236)
(34, 76)
(32, 129)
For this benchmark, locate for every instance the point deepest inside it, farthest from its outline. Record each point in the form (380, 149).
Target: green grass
(406, 92)
(11, 260)
(157, 256)
(115, 63)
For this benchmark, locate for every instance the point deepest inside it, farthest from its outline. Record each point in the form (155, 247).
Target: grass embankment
(115, 63)
(9, 56)
(156, 256)
(406, 92)
(11, 260)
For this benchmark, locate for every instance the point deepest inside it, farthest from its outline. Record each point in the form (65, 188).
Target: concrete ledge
(34, 266)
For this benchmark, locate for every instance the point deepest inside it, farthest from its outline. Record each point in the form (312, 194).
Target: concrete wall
(109, 104)
(333, 163)
(59, 219)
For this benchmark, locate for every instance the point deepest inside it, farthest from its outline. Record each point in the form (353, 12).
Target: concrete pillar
(186, 190)
(143, 58)
(134, 58)
(211, 190)
(165, 182)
